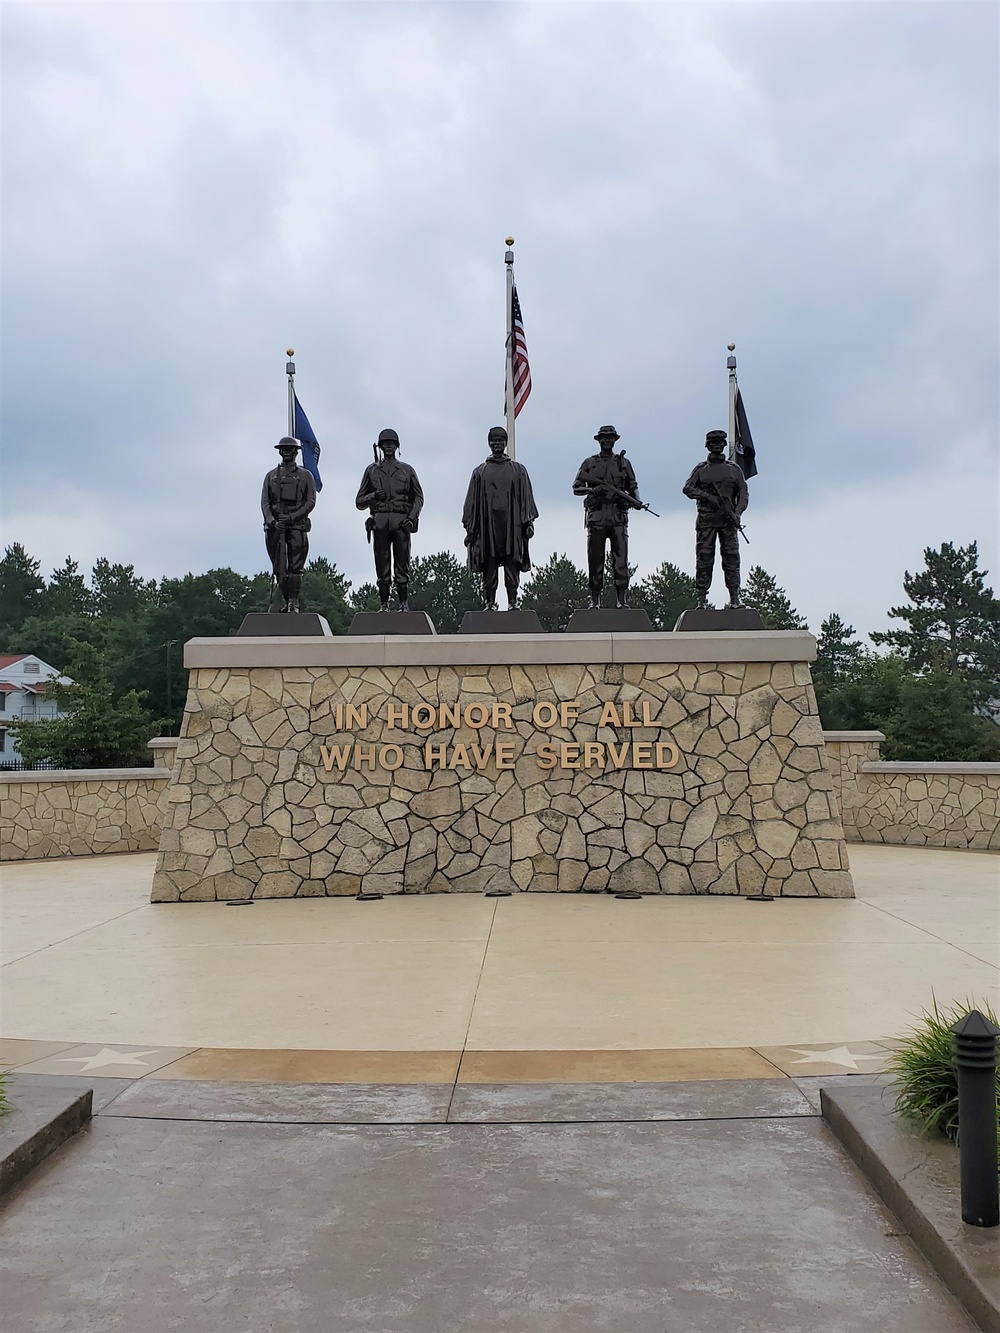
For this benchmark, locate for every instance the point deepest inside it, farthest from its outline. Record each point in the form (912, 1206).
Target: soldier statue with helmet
(609, 489)
(720, 490)
(287, 499)
(391, 492)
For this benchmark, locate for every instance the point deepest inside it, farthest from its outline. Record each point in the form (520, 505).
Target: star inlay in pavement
(106, 1056)
(836, 1055)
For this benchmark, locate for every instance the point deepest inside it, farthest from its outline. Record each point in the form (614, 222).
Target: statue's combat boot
(621, 598)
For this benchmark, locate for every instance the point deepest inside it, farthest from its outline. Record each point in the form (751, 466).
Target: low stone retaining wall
(912, 804)
(80, 812)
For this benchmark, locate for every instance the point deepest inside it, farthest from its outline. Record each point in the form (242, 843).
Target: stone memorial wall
(649, 762)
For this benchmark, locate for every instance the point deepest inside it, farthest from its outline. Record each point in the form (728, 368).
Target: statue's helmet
(715, 441)
(607, 432)
(388, 437)
(286, 442)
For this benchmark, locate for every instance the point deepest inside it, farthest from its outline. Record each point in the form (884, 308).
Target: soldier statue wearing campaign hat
(287, 499)
(720, 489)
(609, 489)
(391, 493)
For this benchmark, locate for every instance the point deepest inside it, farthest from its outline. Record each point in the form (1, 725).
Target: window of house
(3, 701)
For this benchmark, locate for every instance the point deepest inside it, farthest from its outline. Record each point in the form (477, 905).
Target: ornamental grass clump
(924, 1065)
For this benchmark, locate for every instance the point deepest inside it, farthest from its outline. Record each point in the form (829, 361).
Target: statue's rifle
(729, 509)
(623, 495)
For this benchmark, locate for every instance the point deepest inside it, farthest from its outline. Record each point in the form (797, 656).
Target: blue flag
(310, 445)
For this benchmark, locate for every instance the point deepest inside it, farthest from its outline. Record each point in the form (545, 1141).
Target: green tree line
(931, 685)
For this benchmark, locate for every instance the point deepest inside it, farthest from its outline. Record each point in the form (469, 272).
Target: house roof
(10, 660)
(30, 686)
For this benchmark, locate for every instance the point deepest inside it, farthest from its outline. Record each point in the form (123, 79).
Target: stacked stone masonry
(750, 806)
(79, 813)
(913, 804)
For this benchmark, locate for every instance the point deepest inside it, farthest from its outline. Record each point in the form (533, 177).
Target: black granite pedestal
(392, 622)
(698, 621)
(501, 622)
(610, 620)
(284, 625)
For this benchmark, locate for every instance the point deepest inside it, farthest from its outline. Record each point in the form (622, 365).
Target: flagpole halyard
(509, 363)
(731, 367)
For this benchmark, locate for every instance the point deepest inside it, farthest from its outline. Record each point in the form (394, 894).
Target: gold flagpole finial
(289, 351)
(509, 240)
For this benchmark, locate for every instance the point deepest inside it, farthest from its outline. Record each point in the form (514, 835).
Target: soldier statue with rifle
(609, 489)
(287, 499)
(391, 493)
(720, 490)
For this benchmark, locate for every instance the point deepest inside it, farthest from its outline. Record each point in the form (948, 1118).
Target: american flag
(522, 371)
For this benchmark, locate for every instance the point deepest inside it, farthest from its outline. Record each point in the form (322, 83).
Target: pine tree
(665, 593)
(22, 590)
(952, 621)
(555, 590)
(839, 654)
(67, 593)
(762, 593)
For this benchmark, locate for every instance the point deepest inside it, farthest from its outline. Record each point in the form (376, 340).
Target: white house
(24, 682)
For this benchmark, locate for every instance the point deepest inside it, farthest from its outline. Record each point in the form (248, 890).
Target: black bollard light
(974, 1042)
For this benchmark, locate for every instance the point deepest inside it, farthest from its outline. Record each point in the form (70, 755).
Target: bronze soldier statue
(287, 499)
(391, 493)
(608, 485)
(499, 521)
(721, 492)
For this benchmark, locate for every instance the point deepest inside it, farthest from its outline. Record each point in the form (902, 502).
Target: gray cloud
(191, 188)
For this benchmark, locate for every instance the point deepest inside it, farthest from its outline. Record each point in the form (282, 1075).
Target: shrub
(925, 1067)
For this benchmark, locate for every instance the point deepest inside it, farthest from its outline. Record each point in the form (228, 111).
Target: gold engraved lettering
(569, 755)
(390, 757)
(448, 715)
(435, 754)
(502, 717)
(459, 757)
(609, 716)
(397, 715)
(544, 714)
(335, 754)
(476, 715)
(481, 754)
(546, 754)
(662, 749)
(423, 716)
(618, 753)
(593, 754)
(356, 717)
(364, 754)
(504, 751)
(642, 754)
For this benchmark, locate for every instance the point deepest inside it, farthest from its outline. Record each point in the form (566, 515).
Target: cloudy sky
(190, 188)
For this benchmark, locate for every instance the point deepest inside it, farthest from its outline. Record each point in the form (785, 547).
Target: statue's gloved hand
(468, 539)
(529, 530)
(406, 525)
(599, 492)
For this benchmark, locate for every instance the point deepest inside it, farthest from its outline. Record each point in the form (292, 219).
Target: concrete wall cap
(929, 766)
(85, 775)
(500, 649)
(846, 737)
(163, 743)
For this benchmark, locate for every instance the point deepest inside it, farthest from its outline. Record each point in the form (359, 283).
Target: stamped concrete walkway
(534, 988)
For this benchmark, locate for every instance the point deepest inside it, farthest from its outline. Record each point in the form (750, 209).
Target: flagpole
(508, 259)
(290, 372)
(731, 367)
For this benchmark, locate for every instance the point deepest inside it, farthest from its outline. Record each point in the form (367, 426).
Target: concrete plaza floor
(523, 989)
(537, 1114)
